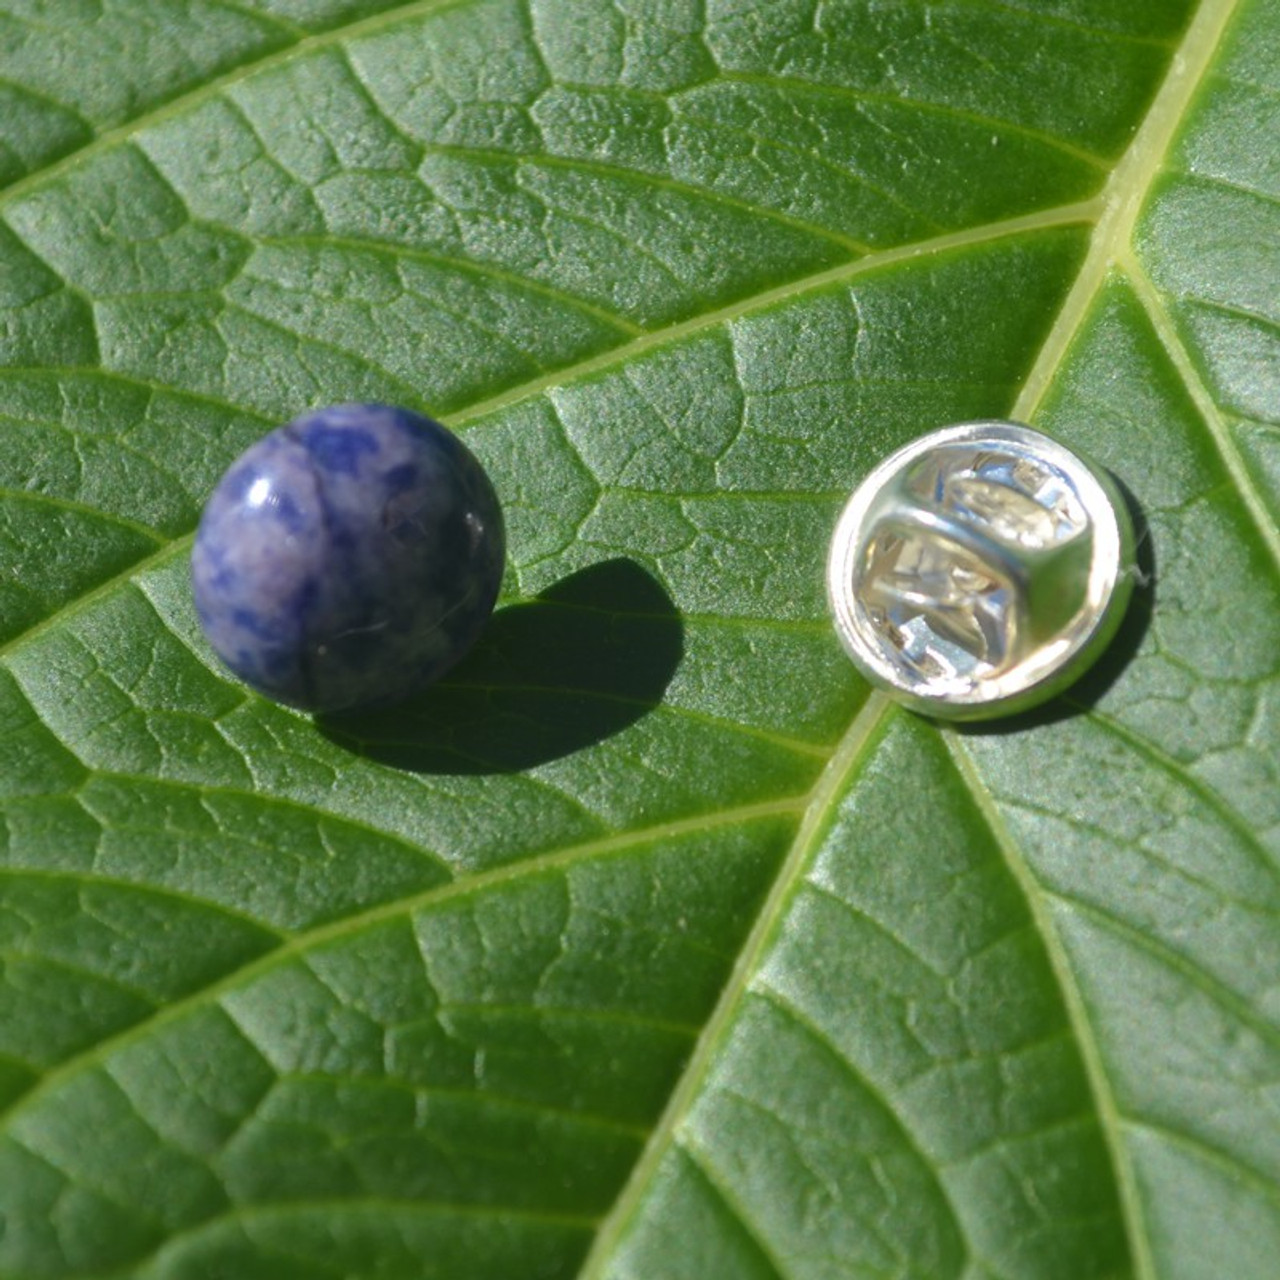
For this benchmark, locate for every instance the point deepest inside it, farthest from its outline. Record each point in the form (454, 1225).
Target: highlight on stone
(348, 557)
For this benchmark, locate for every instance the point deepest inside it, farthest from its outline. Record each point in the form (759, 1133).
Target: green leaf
(649, 945)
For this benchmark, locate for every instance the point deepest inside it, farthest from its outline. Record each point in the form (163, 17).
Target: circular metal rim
(1110, 583)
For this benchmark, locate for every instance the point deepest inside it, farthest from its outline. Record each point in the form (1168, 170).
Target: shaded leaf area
(648, 944)
(582, 661)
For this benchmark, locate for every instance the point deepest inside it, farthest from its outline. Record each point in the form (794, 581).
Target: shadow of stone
(582, 661)
(1093, 685)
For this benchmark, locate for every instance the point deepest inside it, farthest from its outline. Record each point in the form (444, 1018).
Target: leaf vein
(1214, 987)
(846, 93)
(701, 1165)
(465, 266)
(1232, 459)
(171, 107)
(346, 926)
(860, 739)
(1094, 1060)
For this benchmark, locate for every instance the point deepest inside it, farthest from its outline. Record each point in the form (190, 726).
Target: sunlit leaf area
(650, 944)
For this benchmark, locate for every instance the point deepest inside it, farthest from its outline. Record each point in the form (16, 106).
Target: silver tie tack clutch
(980, 570)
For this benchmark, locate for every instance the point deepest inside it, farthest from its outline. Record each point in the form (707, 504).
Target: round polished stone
(348, 557)
(980, 570)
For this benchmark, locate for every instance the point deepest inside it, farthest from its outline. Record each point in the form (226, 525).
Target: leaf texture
(650, 945)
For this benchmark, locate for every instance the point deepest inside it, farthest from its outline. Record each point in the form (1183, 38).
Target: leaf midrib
(1126, 191)
(1122, 200)
(858, 742)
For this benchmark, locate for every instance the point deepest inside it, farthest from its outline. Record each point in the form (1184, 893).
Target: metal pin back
(980, 570)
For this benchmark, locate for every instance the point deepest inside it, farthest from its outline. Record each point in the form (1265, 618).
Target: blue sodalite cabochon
(348, 557)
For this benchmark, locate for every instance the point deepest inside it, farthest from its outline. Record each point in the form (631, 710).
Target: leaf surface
(650, 944)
